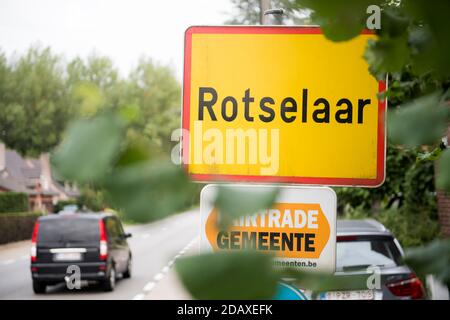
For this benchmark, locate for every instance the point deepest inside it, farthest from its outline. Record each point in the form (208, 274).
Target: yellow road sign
(281, 104)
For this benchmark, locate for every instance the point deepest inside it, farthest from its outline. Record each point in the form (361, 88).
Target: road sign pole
(264, 6)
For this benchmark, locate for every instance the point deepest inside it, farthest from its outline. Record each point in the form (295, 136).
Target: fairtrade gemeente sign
(299, 228)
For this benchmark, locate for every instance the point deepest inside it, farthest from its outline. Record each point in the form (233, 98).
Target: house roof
(22, 174)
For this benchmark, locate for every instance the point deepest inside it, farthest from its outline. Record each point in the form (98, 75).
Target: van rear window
(68, 230)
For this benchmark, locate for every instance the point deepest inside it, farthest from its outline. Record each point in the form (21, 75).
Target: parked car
(95, 242)
(363, 244)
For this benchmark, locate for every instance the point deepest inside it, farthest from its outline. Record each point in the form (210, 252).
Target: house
(33, 177)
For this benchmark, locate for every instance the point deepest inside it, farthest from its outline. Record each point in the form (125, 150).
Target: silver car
(367, 247)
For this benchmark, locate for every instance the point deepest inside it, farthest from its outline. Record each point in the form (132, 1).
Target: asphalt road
(155, 247)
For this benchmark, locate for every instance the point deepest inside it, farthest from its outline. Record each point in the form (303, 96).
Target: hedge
(62, 203)
(17, 226)
(13, 202)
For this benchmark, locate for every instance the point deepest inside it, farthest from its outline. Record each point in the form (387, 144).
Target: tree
(157, 94)
(248, 12)
(34, 105)
(94, 84)
(414, 38)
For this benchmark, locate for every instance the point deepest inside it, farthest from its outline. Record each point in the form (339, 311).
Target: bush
(13, 202)
(17, 226)
(62, 203)
(91, 199)
(411, 228)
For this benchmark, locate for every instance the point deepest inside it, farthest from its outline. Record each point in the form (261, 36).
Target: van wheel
(127, 273)
(110, 282)
(39, 287)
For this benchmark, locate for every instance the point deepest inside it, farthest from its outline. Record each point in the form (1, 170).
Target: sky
(124, 30)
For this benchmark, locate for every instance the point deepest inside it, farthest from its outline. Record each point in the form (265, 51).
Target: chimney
(2, 156)
(46, 173)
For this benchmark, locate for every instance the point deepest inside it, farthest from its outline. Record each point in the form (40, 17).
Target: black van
(94, 242)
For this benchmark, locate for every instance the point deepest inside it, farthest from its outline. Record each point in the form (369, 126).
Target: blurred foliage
(409, 183)
(94, 142)
(96, 151)
(250, 202)
(14, 202)
(322, 282)
(420, 122)
(413, 47)
(228, 275)
(433, 258)
(157, 94)
(118, 144)
(91, 199)
(59, 206)
(339, 20)
(250, 275)
(149, 190)
(40, 94)
(116, 123)
(411, 227)
(246, 12)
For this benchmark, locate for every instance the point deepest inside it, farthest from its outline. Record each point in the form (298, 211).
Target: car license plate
(67, 256)
(348, 295)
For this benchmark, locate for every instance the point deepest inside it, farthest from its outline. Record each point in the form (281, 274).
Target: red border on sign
(381, 137)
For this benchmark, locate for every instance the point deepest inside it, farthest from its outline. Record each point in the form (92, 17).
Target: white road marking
(149, 286)
(139, 296)
(158, 276)
(145, 236)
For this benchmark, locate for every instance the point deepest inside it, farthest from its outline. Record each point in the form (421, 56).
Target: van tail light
(34, 242)
(411, 287)
(103, 241)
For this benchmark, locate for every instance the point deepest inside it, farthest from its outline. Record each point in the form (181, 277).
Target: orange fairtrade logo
(289, 230)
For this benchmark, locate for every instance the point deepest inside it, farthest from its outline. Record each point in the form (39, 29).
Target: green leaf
(234, 202)
(147, 191)
(137, 150)
(424, 51)
(386, 55)
(89, 149)
(393, 23)
(433, 258)
(229, 275)
(339, 20)
(421, 121)
(339, 28)
(443, 172)
(429, 37)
